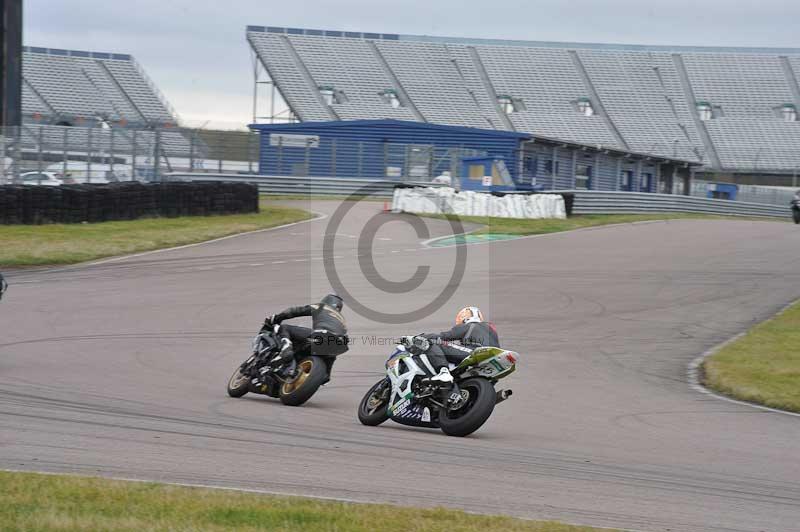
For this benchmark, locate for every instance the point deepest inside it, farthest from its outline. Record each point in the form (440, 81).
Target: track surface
(119, 369)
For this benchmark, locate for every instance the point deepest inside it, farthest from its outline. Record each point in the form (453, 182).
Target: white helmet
(469, 315)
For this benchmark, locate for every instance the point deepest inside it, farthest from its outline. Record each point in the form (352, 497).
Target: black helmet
(332, 300)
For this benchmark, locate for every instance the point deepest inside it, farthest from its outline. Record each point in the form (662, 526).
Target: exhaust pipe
(502, 395)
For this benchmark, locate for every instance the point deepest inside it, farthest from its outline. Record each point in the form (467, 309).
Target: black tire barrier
(31, 204)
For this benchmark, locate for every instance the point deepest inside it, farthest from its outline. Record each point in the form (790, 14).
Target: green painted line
(471, 239)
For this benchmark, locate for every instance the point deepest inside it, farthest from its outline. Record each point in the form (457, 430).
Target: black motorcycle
(796, 210)
(293, 384)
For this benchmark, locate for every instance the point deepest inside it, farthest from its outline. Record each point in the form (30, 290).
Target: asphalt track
(119, 369)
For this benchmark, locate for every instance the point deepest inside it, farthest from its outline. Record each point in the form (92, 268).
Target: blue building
(417, 151)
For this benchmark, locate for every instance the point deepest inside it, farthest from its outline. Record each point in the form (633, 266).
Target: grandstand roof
(517, 42)
(730, 108)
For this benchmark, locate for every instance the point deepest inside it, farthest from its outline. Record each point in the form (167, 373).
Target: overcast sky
(195, 50)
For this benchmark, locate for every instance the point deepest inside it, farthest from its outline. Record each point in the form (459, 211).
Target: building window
(390, 96)
(789, 112)
(647, 182)
(509, 104)
(331, 95)
(626, 180)
(529, 167)
(548, 167)
(585, 107)
(704, 111)
(583, 176)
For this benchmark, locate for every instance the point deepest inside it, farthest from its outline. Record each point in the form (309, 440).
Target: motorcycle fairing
(490, 362)
(402, 369)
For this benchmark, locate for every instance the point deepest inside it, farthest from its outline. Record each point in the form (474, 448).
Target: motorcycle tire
(373, 414)
(312, 372)
(470, 417)
(796, 215)
(238, 384)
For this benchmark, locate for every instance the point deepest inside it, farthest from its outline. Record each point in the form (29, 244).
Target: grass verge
(38, 245)
(519, 226)
(31, 501)
(763, 366)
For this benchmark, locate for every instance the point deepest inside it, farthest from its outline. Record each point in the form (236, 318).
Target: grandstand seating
(69, 86)
(75, 88)
(643, 98)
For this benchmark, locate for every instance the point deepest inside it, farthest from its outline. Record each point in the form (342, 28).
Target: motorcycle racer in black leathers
(327, 335)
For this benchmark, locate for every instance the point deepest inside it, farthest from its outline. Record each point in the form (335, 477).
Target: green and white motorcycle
(407, 396)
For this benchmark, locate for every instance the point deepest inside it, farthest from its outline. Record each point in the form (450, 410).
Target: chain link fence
(45, 154)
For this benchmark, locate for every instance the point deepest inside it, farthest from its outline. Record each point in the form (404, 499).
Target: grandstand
(732, 109)
(82, 103)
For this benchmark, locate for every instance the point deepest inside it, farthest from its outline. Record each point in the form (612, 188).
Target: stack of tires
(30, 204)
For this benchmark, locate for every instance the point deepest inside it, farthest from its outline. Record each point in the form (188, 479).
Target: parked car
(48, 179)
(101, 173)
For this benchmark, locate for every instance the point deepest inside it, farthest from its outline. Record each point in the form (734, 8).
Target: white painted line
(427, 243)
(261, 492)
(278, 262)
(257, 264)
(192, 485)
(319, 216)
(693, 374)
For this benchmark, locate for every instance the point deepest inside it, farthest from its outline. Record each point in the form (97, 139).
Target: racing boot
(286, 358)
(443, 378)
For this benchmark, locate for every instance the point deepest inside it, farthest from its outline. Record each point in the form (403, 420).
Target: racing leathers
(326, 337)
(468, 335)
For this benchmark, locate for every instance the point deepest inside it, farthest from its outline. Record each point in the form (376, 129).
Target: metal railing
(306, 186)
(771, 195)
(596, 202)
(586, 202)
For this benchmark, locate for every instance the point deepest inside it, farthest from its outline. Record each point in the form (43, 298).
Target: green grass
(37, 245)
(313, 197)
(763, 366)
(519, 226)
(36, 502)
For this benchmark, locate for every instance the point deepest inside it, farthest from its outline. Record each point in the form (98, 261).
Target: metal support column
(89, 155)
(553, 167)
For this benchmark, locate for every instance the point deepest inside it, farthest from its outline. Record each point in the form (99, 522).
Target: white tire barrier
(444, 200)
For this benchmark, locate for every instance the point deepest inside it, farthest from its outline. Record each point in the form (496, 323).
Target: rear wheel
(796, 215)
(372, 410)
(480, 400)
(238, 384)
(311, 373)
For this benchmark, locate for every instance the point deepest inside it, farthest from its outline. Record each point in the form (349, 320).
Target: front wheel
(311, 373)
(372, 411)
(238, 384)
(480, 401)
